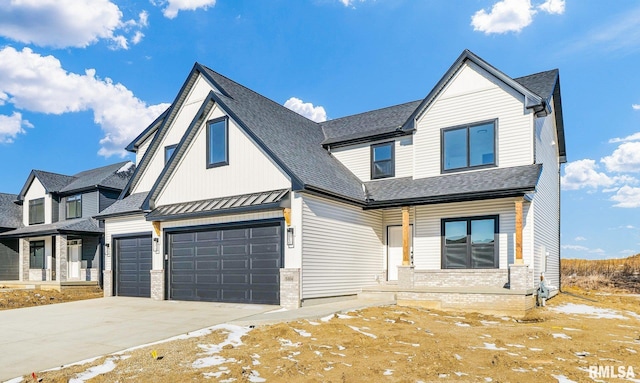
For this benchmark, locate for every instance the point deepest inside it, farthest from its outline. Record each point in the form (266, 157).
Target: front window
(74, 206)
(469, 146)
(469, 243)
(382, 165)
(36, 255)
(217, 143)
(36, 211)
(168, 152)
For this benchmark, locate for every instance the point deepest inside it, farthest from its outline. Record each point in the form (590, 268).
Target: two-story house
(451, 201)
(52, 234)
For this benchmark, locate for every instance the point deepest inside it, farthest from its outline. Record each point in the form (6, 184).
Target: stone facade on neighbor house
(48, 233)
(452, 199)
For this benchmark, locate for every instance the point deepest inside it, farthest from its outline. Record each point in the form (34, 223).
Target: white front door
(73, 261)
(394, 250)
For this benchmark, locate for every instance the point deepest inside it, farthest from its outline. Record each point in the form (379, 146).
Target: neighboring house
(51, 234)
(452, 200)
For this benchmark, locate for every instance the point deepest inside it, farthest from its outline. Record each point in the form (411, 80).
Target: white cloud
(632, 137)
(626, 158)
(636, 106)
(627, 197)
(64, 23)
(512, 15)
(314, 113)
(584, 174)
(11, 126)
(575, 247)
(174, 6)
(350, 3)
(579, 238)
(39, 84)
(554, 7)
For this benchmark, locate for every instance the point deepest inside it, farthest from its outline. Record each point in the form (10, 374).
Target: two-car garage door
(229, 264)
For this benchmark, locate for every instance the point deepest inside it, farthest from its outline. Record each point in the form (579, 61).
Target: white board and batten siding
(341, 248)
(132, 224)
(142, 149)
(357, 158)
(249, 170)
(175, 132)
(427, 241)
(546, 202)
(473, 96)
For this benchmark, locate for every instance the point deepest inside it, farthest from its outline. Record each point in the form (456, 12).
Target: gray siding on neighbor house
(106, 199)
(89, 205)
(9, 260)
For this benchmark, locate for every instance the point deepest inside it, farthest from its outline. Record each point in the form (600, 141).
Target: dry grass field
(605, 275)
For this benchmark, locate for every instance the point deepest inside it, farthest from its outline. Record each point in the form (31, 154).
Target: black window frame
(468, 220)
(210, 123)
(34, 217)
(168, 148)
(468, 148)
(73, 200)
(392, 160)
(33, 246)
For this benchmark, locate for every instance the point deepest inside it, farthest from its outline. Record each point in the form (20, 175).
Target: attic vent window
(218, 142)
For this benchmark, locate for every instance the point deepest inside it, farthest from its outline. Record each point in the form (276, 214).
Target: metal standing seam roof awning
(224, 205)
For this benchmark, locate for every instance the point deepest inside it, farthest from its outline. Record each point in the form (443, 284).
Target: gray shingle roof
(542, 83)
(293, 140)
(80, 225)
(130, 204)
(488, 183)
(52, 182)
(368, 124)
(10, 212)
(106, 176)
(224, 205)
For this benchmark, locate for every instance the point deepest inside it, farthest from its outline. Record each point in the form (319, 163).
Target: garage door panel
(133, 257)
(227, 264)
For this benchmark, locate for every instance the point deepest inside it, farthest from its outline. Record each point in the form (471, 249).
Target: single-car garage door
(133, 276)
(231, 264)
(9, 260)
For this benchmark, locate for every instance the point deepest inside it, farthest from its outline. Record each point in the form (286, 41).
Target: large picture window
(469, 146)
(470, 243)
(217, 143)
(36, 255)
(36, 211)
(74, 206)
(382, 164)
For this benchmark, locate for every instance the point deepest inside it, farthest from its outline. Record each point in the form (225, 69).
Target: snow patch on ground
(354, 328)
(327, 318)
(108, 366)
(344, 316)
(590, 311)
(302, 332)
(563, 379)
(234, 338)
(560, 336)
(460, 324)
(388, 372)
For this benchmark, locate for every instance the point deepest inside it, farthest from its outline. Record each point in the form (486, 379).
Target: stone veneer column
(107, 283)
(519, 279)
(157, 285)
(23, 250)
(290, 288)
(406, 277)
(61, 258)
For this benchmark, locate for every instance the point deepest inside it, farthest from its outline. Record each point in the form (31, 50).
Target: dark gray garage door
(9, 257)
(133, 266)
(237, 264)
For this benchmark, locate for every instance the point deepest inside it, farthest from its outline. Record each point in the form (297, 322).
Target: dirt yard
(558, 343)
(14, 299)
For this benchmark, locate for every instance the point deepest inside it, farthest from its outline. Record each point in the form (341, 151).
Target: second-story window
(36, 211)
(74, 206)
(382, 163)
(469, 146)
(217, 143)
(168, 152)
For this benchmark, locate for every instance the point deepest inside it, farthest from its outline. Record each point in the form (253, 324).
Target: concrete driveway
(44, 337)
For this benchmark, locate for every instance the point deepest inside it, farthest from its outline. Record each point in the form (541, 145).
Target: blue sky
(80, 78)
